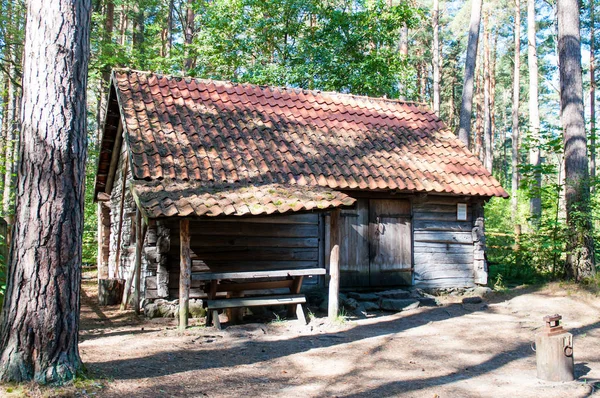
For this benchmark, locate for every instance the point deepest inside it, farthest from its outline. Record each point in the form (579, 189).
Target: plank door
(390, 242)
(354, 247)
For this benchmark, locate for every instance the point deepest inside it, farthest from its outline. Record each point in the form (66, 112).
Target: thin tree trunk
(535, 203)
(189, 36)
(138, 28)
(436, 57)
(466, 107)
(479, 120)
(403, 49)
(40, 322)
(123, 22)
(580, 262)
(515, 113)
(488, 138)
(592, 96)
(13, 112)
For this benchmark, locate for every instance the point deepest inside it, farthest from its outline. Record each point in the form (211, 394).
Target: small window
(461, 211)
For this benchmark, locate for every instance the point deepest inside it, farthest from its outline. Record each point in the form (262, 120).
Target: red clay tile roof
(215, 133)
(177, 199)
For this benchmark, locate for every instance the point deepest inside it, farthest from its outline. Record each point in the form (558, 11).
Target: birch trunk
(39, 330)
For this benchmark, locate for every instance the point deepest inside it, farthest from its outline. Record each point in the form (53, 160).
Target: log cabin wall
(248, 243)
(444, 246)
(126, 242)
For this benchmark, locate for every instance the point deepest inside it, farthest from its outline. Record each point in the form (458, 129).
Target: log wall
(443, 247)
(248, 243)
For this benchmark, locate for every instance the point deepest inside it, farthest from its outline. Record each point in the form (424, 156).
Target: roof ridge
(281, 88)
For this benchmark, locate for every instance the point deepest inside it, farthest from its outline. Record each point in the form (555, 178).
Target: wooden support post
(294, 289)
(185, 274)
(140, 235)
(334, 265)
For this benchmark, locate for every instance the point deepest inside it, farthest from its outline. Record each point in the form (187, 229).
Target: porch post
(334, 265)
(185, 273)
(140, 235)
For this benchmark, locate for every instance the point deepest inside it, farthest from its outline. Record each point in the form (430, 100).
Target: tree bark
(580, 263)
(592, 96)
(466, 107)
(515, 113)
(487, 101)
(535, 203)
(436, 57)
(39, 331)
(189, 36)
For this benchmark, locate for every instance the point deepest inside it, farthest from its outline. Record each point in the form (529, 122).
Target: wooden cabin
(276, 179)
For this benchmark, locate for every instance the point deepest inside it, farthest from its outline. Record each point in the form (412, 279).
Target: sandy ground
(455, 350)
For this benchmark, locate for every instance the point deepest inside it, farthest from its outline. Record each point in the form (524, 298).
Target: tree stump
(554, 351)
(110, 291)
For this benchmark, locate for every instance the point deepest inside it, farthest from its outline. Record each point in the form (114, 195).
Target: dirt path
(449, 351)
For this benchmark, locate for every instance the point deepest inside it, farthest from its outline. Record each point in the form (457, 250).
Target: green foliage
(345, 46)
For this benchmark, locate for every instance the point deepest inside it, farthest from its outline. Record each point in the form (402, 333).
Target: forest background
(412, 50)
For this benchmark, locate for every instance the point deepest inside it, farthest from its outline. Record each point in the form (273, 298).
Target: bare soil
(455, 350)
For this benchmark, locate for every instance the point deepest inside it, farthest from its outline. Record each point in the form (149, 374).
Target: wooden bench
(289, 299)
(248, 282)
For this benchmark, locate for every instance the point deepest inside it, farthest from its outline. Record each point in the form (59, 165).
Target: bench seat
(238, 302)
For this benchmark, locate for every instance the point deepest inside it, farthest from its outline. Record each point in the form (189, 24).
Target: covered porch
(240, 246)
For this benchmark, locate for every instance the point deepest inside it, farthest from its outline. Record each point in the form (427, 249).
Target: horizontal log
(430, 225)
(444, 237)
(443, 274)
(435, 247)
(443, 258)
(438, 216)
(445, 283)
(443, 200)
(308, 218)
(265, 254)
(253, 230)
(435, 208)
(444, 267)
(257, 274)
(226, 242)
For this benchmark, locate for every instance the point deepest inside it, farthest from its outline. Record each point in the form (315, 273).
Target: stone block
(397, 305)
(394, 294)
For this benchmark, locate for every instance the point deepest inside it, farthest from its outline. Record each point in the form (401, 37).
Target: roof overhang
(175, 199)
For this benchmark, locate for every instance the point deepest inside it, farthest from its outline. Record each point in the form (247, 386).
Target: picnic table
(236, 283)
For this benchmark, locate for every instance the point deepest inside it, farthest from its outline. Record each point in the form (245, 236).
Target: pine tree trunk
(466, 107)
(189, 36)
(12, 139)
(39, 331)
(488, 155)
(403, 50)
(592, 96)
(515, 113)
(535, 203)
(580, 263)
(479, 120)
(436, 57)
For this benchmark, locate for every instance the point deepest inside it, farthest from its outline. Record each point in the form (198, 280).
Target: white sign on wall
(461, 211)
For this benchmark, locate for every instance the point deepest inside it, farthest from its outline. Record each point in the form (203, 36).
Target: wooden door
(354, 247)
(390, 242)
